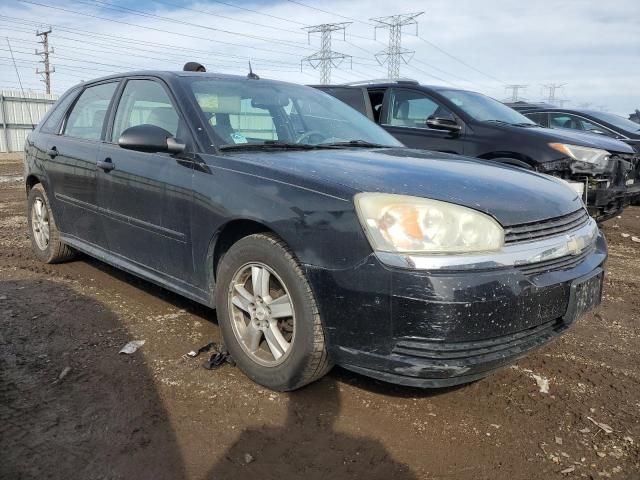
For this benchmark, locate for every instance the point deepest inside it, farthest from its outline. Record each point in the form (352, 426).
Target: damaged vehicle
(318, 238)
(450, 120)
(598, 123)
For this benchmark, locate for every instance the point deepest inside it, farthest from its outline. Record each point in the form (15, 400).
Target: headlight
(594, 156)
(404, 224)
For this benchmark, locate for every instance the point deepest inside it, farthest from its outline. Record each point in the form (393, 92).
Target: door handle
(52, 152)
(106, 165)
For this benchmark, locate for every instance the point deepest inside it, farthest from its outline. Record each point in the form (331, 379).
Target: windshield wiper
(525, 124)
(495, 120)
(268, 145)
(355, 143)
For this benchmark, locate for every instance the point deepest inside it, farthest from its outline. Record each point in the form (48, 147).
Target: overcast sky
(591, 46)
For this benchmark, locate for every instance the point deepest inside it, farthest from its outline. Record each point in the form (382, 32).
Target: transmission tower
(515, 89)
(326, 58)
(552, 88)
(394, 53)
(48, 69)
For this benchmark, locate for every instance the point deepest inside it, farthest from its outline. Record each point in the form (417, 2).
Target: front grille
(527, 232)
(482, 350)
(563, 263)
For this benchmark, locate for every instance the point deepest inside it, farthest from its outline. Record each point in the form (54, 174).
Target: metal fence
(18, 114)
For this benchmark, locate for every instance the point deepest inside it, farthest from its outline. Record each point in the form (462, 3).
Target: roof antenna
(251, 75)
(33, 125)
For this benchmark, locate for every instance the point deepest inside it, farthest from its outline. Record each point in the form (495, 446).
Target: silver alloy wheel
(262, 315)
(40, 223)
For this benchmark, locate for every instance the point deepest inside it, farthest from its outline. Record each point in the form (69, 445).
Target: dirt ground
(158, 415)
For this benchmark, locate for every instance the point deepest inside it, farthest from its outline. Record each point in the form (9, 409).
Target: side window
(52, 122)
(597, 129)
(412, 109)
(539, 118)
(354, 97)
(87, 116)
(563, 120)
(145, 102)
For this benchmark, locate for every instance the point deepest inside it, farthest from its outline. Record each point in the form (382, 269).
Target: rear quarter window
(52, 122)
(354, 97)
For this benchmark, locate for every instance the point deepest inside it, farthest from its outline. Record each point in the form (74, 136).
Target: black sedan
(318, 238)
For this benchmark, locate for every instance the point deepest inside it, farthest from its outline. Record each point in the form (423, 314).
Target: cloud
(591, 46)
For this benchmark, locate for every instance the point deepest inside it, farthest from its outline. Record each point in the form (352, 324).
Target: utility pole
(48, 70)
(326, 58)
(394, 53)
(515, 89)
(552, 88)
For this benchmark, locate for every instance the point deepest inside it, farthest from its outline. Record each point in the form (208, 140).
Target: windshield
(483, 108)
(617, 121)
(255, 112)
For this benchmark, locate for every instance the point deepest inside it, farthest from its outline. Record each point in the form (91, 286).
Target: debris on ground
(543, 383)
(559, 440)
(131, 347)
(603, 426)
(625, 235)
(635, 239)
(248, 458)
(65, 371)
(568, 470)
(218, 358)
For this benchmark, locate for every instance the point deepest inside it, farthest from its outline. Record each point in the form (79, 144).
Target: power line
(459, 60)
(326, 58)
(394, 53)
(48, 70)
(515, 89)
(552, 88)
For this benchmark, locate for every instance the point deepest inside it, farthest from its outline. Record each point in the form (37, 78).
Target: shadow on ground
(104, 419)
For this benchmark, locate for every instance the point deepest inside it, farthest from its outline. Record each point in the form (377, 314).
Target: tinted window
(411, 109)
(539, 118)
(354, 97)
(483, 108)
(145, 102)
(52, 123)
(587, 126)
(563, 120)
(87, 116)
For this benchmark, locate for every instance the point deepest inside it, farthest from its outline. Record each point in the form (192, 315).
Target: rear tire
(43, 231)
(249, 309)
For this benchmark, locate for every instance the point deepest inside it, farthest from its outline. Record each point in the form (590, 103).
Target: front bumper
(435, 328)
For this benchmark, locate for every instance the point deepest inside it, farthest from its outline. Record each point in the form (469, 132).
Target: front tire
(268, 314)
(43, 231)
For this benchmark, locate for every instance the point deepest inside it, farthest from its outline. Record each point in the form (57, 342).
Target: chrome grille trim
(527, 232)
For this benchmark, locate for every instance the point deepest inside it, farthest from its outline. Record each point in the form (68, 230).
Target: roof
(166, 74)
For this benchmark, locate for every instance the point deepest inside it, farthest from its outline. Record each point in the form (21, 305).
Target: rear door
(405, 113)
(145, 198)
(70, 158)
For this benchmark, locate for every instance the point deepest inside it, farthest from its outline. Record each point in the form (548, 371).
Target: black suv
(469, 123)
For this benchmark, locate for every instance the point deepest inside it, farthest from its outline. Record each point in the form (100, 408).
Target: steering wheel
(306, 137)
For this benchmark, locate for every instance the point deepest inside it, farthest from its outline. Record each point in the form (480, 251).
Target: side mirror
(151, 139)
(443, 124)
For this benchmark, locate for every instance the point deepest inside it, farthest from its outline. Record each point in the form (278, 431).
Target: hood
(510, 194)
(575, 137)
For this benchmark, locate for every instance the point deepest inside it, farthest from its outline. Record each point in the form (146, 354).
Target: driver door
(145, 197)
(405, 114)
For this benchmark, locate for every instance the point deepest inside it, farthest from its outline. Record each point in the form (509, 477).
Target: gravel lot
(158, 415)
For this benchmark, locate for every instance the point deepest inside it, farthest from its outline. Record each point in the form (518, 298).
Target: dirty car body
(343, 206)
